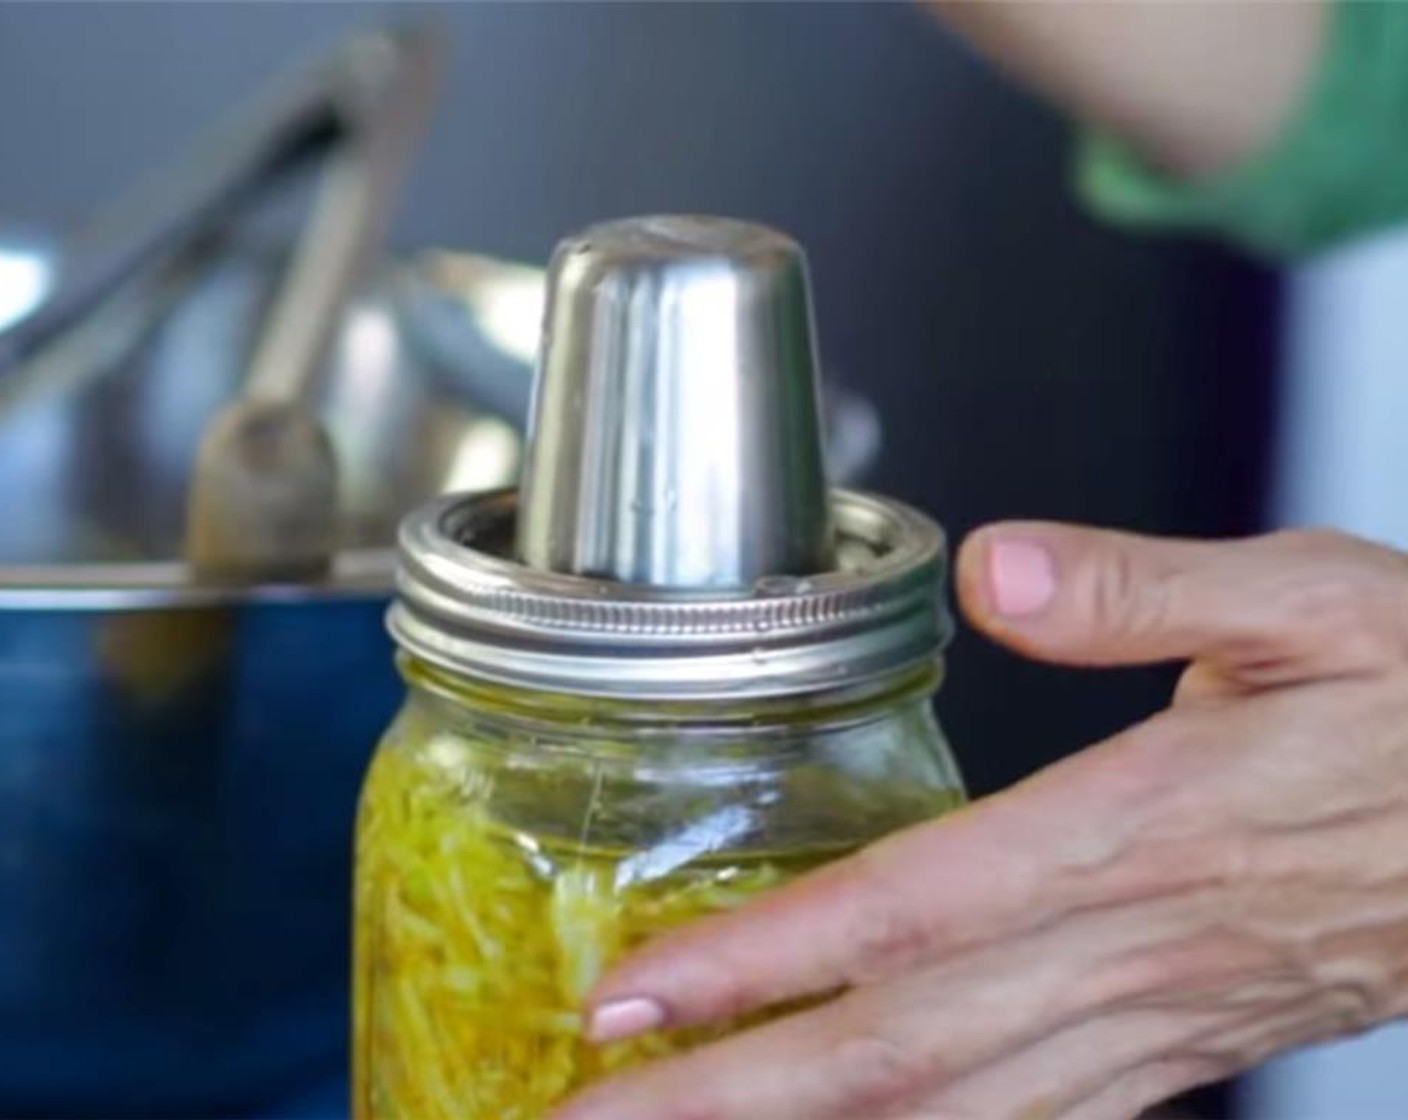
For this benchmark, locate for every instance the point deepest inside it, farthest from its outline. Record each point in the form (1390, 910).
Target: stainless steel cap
(465, 604)
(676, 439)
(674, 538)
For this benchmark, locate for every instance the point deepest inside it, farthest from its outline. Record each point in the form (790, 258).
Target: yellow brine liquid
(480, 927)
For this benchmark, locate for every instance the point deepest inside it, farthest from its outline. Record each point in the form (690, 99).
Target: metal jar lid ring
(465, 604)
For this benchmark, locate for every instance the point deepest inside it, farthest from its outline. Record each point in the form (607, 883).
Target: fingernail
(1023, 577)
(625, 1017)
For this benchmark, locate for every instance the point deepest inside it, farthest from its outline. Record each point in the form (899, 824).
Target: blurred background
(1022, 361)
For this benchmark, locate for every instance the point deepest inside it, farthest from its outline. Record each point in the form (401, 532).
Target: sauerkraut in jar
(673, 670)
(512, 846)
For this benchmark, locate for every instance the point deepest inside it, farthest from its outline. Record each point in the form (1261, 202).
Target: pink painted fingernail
(623, 1018)
(1023, 577)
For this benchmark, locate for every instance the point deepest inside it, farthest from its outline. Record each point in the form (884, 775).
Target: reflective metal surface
(193, 198)
(396, 77)
(466, 605)
(676, 437)
(27, 263)
(476, 320)
(674, 536)
(95, 454)
(263, 497)
(428, 394)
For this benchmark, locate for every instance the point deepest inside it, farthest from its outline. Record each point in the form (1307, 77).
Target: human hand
(1221, 882)
(1195, 89)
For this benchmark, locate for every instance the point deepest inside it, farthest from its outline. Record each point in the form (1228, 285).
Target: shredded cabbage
(477, 937)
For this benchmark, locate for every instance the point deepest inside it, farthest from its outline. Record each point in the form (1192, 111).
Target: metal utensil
(263, 505)
(252, 152)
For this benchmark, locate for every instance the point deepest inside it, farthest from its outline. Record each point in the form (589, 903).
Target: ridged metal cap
(465, 604)
(673, 538)
(676, 433)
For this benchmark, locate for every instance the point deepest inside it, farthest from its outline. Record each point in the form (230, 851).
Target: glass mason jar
(517, 834)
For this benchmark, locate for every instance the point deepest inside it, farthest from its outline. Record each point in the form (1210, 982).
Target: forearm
(1194, 86)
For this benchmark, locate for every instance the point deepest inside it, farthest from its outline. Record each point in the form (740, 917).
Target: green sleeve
(1340, 167)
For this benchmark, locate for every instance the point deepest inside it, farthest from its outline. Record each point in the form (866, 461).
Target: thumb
(1082, 596)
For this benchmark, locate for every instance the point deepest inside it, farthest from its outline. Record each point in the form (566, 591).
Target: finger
(868, 1052)
(996, 870)
(905, 901)
(825, 1064)
(1275, 606)
(1007, 865)
(872, 1051)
